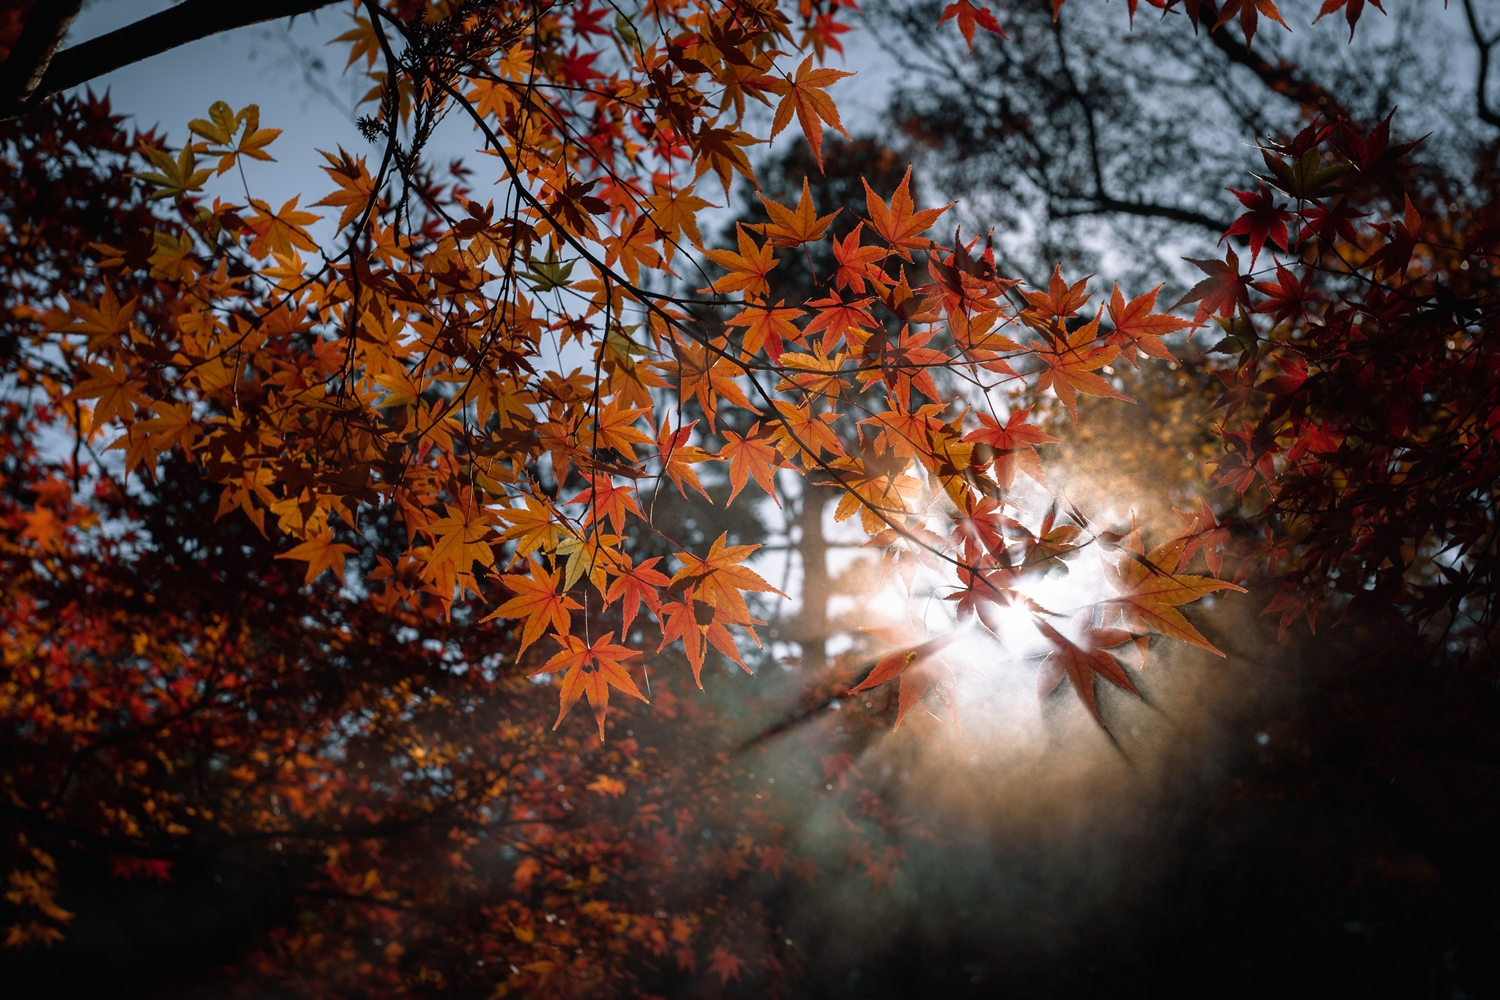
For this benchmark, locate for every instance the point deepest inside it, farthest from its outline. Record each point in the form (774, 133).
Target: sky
(290, 70)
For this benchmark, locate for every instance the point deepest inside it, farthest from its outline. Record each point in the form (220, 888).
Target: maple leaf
(803, 433)
(857, 264)
(356, 186)
(725, 964)
(460, 542)
(792, 229)
(1151, 589)
(1138, 328)
(968, 16)
(605, 785)
(1207, 533)
(321, 553)
(1404, 234)
(118, 394)
(693, 622)
(678, 457)
(1012, 448)
(43, 527)
(877, 490)
(803, 93)
(538, 601)
(705, 375)
(1081, 662)
(1249, 12)
(747, 269)
(917, 664)
(1289, 297)
(837, 320)
(147, 439)
(222, 125)
(592, 669)
(174, 178)
(815, 373)
(614, 427)
(1352, 11)
(103, 324)
(718, 580)
(633, 585)
(1265, 220)
(532, 528)
(770, 326)
(1223, 289)
(899, 224)
(676, 213)
(751, 455)
(1060, 300)
(605, 499)
(280, 230)
(1070, 364)
(722, 150)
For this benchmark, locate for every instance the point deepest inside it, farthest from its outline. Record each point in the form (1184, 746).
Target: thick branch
(1105, 205)
(150, 36)
(43, 32)
(1484, 45)
(1282, 78)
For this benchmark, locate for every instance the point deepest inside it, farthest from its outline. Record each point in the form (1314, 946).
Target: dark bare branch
(1485, 45)
(1280, 77)
(21, 73)
(150, 36)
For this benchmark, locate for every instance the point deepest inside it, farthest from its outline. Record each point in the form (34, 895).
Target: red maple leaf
(1266, 219)
(968, 16)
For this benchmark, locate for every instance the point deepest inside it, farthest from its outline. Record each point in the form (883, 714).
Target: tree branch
(150, 36)
(1105, 205)
(1281, 77)
(1484, 45)
(21, 73)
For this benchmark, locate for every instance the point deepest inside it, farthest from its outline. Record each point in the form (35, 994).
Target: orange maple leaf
(857, 264)
(1059, 301)
(678, 457)
(460, 541)
(837, 319)
(538, 601)
(747, 269)
(771, 326)
(1014, 446)
(792, 229)
(356, 186)
(1070, 363)
(532, 527)
(320, 552)
(280, 230)
(718, 580)
(592, 669)
(676, 214)
(1137, 327)
(1151, 589)
(803, 93)
(606, 499)
(118, 394)
(899, 224)
(751, 455)
(633, 585)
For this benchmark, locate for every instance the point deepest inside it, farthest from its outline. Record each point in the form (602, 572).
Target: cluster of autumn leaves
(507, 386)
(422, 365)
